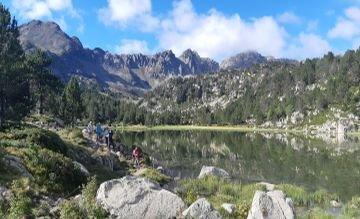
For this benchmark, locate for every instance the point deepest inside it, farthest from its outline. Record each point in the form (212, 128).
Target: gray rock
(17, 164)
(136, 197)
(5, 193)
(271, 205)
(335, 204)
(230, 208)
(82, 168)
(201, 209)
(213, 171)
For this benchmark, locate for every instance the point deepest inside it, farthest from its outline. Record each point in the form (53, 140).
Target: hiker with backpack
(136, 154)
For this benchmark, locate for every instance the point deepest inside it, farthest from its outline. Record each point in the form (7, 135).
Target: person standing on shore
(98, 131)
(110, 137)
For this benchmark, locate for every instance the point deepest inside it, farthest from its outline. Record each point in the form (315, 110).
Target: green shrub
(53, 171)
(20, 202)
(71, 210)
(352, 208)
(298, 194)
(190, 197)
(322, 197)
(30, 136)
(242, 210)
(89, 196)
(42, 210)
(46, 139)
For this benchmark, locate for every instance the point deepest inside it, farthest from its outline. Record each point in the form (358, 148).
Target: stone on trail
(229, 208)
(137, 197)
(213, 171)
(271, 205)
(201, 209)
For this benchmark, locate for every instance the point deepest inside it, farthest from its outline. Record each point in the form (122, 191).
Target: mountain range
(132, 73)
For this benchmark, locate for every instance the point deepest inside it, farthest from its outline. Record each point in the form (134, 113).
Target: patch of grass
(39, 118)
(352, 208)
(153, 175)
(301, 197)
(74, 136)
(31, 136)
(218, 191)
(317, 213)
(298, 194)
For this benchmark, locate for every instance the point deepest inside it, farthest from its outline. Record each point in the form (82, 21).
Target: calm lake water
(250, 157)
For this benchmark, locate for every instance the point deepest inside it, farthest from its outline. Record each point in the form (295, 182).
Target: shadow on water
(249, 157)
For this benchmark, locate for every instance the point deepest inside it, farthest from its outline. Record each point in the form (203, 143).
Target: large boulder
(82, 168)
(201, 209)
(213, 171)
(16, 163)
(136, 197)
(271, 205)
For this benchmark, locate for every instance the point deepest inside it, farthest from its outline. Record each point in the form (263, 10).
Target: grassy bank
(237, 128)
(241, 128)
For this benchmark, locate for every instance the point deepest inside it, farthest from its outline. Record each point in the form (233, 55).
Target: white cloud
(216, 35)
(347, 27)
(307, 46)
(312, 25)
(288, 17)
(36, 9)
(212, 34)
(124, 12)
(130, 46)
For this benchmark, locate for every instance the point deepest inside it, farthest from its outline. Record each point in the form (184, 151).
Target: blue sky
(214, 28)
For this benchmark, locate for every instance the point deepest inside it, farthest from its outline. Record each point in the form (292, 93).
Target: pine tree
(44, 85)
(71, 102)
(14, 84)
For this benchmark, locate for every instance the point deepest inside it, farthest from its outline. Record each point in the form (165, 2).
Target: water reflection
(250, 157)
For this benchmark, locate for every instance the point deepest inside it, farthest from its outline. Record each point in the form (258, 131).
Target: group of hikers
(107, 134)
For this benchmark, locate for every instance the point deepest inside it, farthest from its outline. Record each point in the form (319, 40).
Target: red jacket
(136, 153)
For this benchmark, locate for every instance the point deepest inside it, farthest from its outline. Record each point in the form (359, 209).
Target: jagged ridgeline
(263, 92)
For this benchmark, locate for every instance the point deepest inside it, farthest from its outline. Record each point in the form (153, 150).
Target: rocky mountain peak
(47, 36)
(198, 64)
(243, 60)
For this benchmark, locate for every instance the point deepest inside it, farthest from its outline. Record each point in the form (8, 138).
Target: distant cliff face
(134, 72)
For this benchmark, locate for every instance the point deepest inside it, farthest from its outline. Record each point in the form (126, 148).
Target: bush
(242, 210)
(20, 202)
(352, 208)
(25, 137)
(92, 209)
(299, 195)
(71, 210)
(46, 139)
(53, 171)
